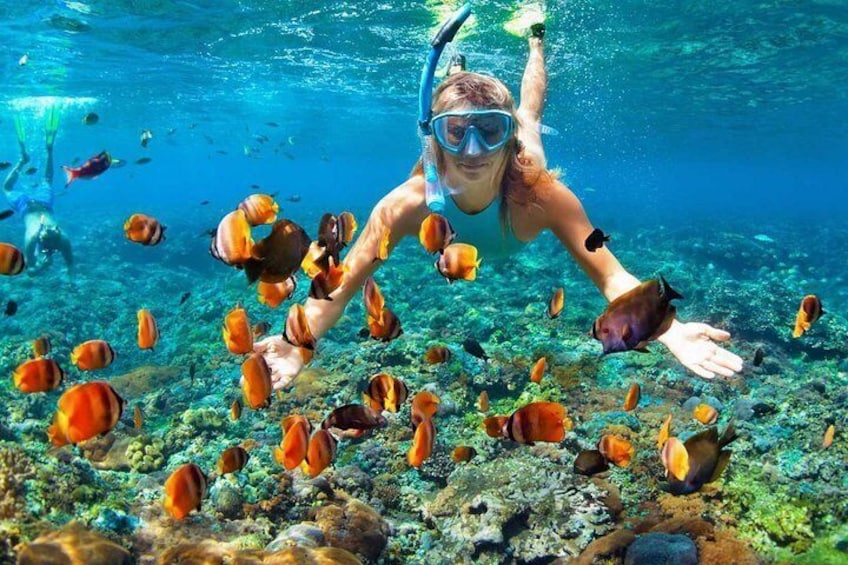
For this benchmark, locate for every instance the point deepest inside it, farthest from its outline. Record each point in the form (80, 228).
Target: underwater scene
(426, 282)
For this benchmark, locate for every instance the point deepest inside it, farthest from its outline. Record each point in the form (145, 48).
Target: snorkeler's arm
(534, 88)
(401, 213)
(13, 175)
(567, 219)
(48, 170)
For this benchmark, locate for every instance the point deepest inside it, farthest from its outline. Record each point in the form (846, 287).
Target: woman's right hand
(283, 359)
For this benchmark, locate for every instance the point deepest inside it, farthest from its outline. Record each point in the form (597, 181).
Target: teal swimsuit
(483, 230)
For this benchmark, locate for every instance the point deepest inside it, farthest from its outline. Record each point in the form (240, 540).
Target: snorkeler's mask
(472, 132)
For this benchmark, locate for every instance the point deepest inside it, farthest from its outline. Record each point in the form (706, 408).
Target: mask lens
(491, 128)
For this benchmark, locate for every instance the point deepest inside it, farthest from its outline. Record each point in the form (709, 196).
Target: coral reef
(145, 454)
(73, 545)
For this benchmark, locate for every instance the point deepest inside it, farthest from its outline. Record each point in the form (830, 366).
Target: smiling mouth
(472, 166)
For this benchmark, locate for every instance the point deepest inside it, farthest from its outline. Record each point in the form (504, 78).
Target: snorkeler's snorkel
(434, 193)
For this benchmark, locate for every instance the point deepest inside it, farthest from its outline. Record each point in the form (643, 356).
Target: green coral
(146, 454)
(768, 516)
(204, 418)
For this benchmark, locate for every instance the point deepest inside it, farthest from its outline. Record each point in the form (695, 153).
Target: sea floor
(781, 499)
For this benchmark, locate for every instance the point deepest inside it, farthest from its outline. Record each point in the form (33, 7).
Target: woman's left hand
(693, 344)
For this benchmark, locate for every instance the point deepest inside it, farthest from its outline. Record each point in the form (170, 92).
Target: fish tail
(669, 292)
(70, 174)
(728, 435)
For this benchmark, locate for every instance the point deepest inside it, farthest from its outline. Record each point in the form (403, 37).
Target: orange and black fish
(256, 381)
(273, 294)
(317, 259)
(328, 236)
(425, 404)
(354, 417)
(297, 330)
(320, 453)
(437, 354)
(590, 462)
(538, 421)
(279, 255)
(38, 375)
(463, 453)
(458, 261)
(235, 410)
(184, 491)
(261, 328)
(324, 283)
(422, 443)
(632, 398)
(483, 401)
(259, 209)
(596, 240)
(664, 433)
(237, 331)
(148, 330)
(11, 260)
(616, 450)
(373, 299)
(809, 311)
(91, 169)
(495, 426)
(232, 243)
(84, 411)
(92, 355)
(347, 227)
(636, 317)
(138, 417)
(675, 459)
(436, 233)
(538, 370)
(707, 459)
(556, 303)
(232, 460)
(41, 346)
(144, 229)
(705, 414)
(386, 328)
(385, 392)
(292, 450)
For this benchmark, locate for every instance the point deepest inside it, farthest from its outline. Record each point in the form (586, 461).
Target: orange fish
(705, 414)
(463, 453)
(259, 209)
(632, 398)
(235, 410)
(144, 229)
(347, 227)
(809, 311)
(92, 355)
(148, 330)
(292, 450)
(483, 401)
(828, 436)
(273, 294)
(458, 262)
(237, 332)
(11, 260)
(260, 328)
(435, 233)
(437, 354)
(184, 491)
(297, 330)
(256, 384)
(138, 418)
(319, 454)
(373, 299)
(232, 243)
(665, 432)
(675, 458)
(556, 303)
(538, 370)
(385, 392)
(277, 256)
(495, 426)
(41, 346)
(386, 328)
(326, 282)
(422, 443)
(354, 417)
(232, 460)
(38, 375)
(385, 244)
(315, 260)
(425, 404)
(538, 421)
(84, 411)
(616, 450)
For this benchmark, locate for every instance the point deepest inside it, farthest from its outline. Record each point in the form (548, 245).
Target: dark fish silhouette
(186, 295)
(759, 355)
(4, 165)
(279, 255)
(354, 416)
(473, 347)
(596, 240)
(636, 317)
(707, 459)
(590, 462)
(272, 124)
(11, 308)
(90, 119)
(143, 161)
(293, 198)
(31, 171)
(192, 371)
(204, 202)
(6, 214)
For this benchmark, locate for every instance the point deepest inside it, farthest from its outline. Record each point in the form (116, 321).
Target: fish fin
(667, 291)
(721, 464)
(69, 174)
(728, 435)
(547, 130)
(253, 269)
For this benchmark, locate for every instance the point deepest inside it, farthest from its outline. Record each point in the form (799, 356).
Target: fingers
(730, 360)
(717, 334)
(701, 371)
(718, 369)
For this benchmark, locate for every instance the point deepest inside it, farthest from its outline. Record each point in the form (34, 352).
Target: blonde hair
(466, 90)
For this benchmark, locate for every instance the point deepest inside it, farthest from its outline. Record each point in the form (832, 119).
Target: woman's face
(474, 165)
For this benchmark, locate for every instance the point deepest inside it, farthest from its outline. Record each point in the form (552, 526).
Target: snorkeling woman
(490, 159)
(34, 202)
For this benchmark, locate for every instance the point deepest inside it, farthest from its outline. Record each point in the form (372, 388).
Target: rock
(305, 534)
(355, 527)
(662, 549)
(226, 499)
(305, 556)
(606, 548)
(73, 545)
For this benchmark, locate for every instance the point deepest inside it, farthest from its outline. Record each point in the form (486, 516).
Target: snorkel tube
(434, 193)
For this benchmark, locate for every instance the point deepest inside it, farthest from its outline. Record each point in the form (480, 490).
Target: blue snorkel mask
(434, 193)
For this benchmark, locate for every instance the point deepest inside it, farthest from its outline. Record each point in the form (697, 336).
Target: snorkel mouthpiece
(434, 193)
